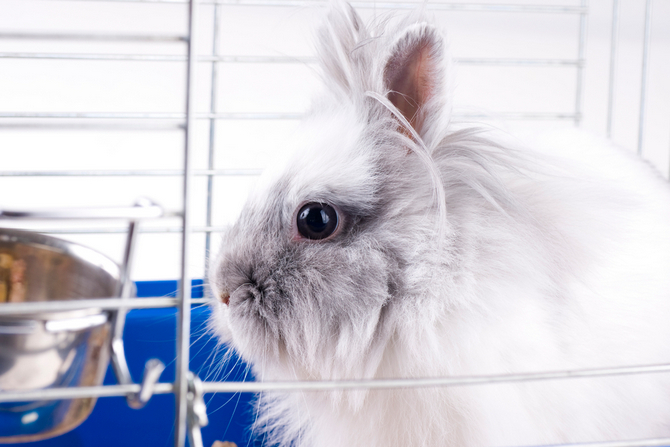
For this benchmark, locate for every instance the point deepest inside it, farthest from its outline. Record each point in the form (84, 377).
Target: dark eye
(317, 220)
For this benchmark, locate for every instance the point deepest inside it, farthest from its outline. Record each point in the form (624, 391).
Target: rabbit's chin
(353, 351)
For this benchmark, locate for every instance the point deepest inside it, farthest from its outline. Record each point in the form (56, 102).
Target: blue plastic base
(151, 333)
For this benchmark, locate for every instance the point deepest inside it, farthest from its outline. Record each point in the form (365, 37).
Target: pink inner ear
(408, 77)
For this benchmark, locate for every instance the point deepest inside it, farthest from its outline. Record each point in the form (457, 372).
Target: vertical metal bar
(580, 68)
(212, 135)
(613, 53)
(184, 314)
(643, 87)
(119, 362)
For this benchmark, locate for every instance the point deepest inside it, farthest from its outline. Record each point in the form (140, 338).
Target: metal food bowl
(51, 349)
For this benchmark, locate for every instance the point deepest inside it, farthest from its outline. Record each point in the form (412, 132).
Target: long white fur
(556, 256)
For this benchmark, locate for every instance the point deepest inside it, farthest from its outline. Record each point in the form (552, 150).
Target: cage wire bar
(331, 385)
(645, 66)
(184, 307)
(185, 122)
(580, 68)
(212, 132)
(614, 36)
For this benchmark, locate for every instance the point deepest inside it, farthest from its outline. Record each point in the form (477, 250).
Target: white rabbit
(393, 244)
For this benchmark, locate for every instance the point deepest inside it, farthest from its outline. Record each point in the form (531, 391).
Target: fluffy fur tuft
(550, 257)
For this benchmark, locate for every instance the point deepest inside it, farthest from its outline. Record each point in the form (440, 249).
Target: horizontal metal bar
(255, 387)
(436, 5)
(144, 209)
(168, 388)
(159, 57)
(255, 115)
(150, 115)
(460, 60)
(123, 230)
(271, 59)
(96, 56)
(133, 173)
(655, 442)
(493, 61)
(97, 303)
(245, 59)
(77, 392)
(530, 116)
(94, 115)
(102, 126)
(95, 37)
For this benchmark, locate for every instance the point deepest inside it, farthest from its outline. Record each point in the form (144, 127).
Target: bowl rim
(77, 251)
(74, 249)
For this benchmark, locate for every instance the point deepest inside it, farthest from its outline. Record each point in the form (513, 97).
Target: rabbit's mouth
(253, 324)
(259, 308)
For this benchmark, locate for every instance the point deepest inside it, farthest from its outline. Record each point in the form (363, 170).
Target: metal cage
(185, 121)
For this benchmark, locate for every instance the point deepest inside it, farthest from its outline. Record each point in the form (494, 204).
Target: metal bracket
(152, 372)
(197, 410)
(142, 209)
(154, 367)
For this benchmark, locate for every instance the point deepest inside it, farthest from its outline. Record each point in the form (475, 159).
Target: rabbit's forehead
(328, 156)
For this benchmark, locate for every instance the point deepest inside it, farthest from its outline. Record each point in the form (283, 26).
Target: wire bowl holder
(44, 274)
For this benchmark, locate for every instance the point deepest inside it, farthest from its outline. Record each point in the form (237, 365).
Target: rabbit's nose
(224, 297)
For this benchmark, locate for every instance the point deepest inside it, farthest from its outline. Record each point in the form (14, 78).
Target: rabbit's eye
(317, 220)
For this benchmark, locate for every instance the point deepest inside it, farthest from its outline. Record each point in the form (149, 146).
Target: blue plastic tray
(151, 333)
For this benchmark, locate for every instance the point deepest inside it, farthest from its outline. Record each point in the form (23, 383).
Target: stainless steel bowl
(52, 349)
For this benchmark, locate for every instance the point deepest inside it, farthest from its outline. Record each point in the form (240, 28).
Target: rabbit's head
(335, 253)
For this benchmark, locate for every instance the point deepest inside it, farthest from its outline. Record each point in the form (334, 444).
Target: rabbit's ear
(415, 77)
(342, 31)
